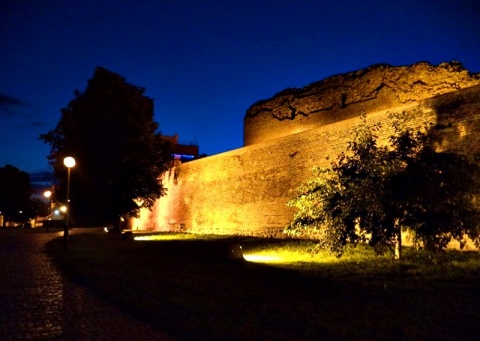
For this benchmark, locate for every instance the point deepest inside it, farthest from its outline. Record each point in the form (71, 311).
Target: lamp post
(69, 162)
(48, 195)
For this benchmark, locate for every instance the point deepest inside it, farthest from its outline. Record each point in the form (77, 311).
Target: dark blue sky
(205, 62)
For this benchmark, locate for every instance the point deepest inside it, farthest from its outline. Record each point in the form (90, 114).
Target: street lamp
(69, 162)
(48, 194)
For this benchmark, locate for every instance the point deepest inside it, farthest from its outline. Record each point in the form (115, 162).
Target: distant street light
(69, 162)
(48, 195)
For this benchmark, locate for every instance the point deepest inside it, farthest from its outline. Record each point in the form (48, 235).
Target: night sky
(205, 62)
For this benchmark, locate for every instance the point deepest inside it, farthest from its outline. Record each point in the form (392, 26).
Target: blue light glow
(182, 156)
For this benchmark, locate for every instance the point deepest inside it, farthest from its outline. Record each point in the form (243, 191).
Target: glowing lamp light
(47, 194)
(63, 209)
(69, 162)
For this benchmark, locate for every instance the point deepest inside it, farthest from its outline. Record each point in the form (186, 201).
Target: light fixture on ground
(69, 162)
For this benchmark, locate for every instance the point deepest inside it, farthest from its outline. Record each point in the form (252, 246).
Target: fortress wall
(457, 115)
(339, 97)
(245, 191)
(263, 127)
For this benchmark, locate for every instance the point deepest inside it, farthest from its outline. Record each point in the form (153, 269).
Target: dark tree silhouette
(110, 131)
(15, 193)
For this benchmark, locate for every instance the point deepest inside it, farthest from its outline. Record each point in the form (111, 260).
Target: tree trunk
(117, 228)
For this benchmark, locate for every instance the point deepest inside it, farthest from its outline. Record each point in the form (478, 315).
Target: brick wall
(245, 191)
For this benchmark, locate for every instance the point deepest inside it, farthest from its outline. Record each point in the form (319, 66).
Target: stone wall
(340, 97)
(245, 191)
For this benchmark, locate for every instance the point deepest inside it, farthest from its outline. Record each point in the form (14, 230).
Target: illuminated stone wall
(245, 191)
(340, 97)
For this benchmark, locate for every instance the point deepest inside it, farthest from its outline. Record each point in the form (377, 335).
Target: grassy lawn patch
(183, 285)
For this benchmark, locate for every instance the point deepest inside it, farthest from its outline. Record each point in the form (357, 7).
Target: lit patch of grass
(174, 236)
(289, 252)
(274, 257)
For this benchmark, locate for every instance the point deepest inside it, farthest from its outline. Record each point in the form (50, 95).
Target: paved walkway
(38, 303)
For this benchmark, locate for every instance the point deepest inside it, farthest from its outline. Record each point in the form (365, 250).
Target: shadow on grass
(187, 288)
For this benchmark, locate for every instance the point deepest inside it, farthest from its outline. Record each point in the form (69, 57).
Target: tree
(110, 131)
(438, 195)
(38, 208)
(15, 193)
(372, 192)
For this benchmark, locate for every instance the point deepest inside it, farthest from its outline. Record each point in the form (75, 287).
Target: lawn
(184, 285)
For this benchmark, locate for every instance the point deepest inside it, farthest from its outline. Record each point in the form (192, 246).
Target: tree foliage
(15, 193)
(110, 131)
(372, 192)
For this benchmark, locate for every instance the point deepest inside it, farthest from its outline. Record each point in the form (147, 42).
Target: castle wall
(340, 97)
(245, 191)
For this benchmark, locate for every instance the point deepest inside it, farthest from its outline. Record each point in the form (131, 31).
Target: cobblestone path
(38, 303)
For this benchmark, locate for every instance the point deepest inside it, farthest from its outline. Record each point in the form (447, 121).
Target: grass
(182, 285)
